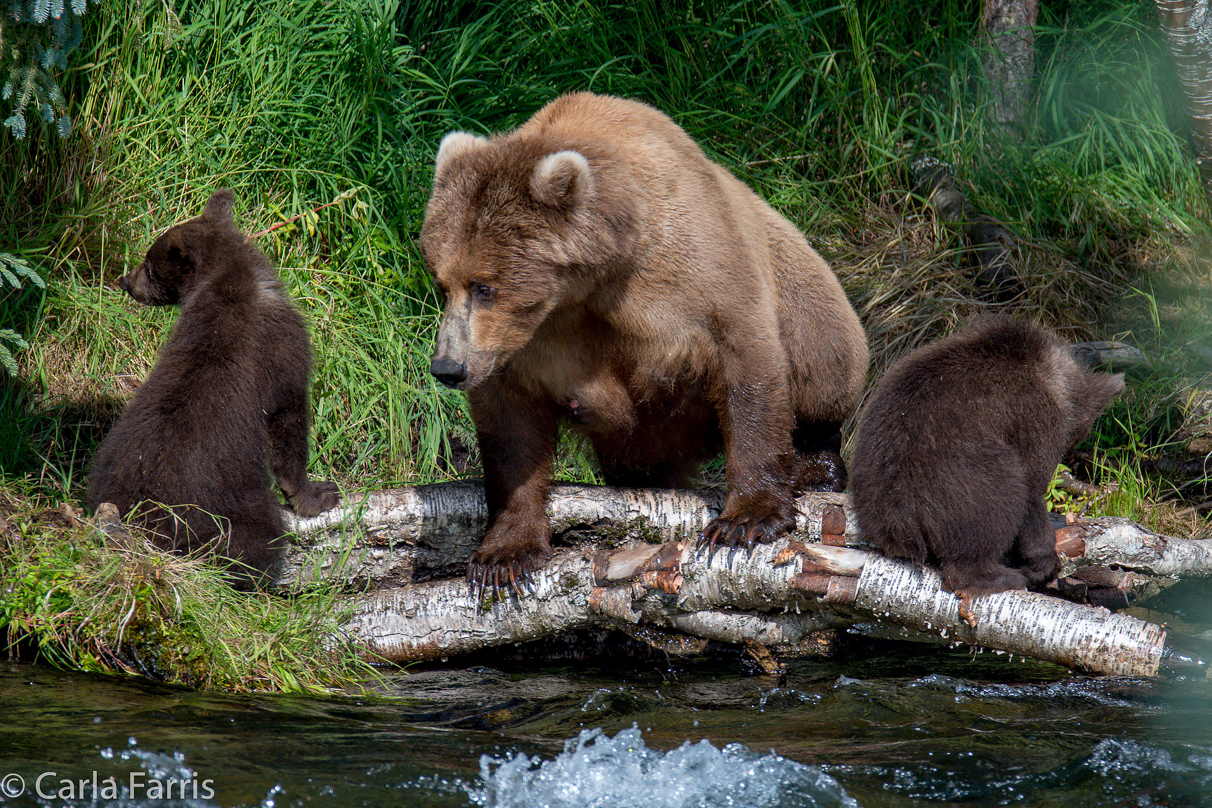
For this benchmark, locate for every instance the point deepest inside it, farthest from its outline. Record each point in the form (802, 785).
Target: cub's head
(515, 229)
(177, 260)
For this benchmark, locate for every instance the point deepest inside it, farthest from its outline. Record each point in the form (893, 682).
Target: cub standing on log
(598, 268)
(228, 394)
(955, 450)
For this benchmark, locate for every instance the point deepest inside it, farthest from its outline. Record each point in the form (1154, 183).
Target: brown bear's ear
(454, 144)
(218, 207)
(562, 180)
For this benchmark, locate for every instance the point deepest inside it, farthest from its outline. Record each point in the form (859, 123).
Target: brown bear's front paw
(506, 563)
(749, 527)
(315, 498)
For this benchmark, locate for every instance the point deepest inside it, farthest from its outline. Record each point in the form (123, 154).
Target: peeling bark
(1187, 25)
(780, 596)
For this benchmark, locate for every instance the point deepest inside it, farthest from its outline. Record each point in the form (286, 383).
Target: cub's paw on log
(315, 498)
(821, 472)
(508, 557)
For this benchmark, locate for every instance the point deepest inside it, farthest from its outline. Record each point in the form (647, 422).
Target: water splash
(622, 772)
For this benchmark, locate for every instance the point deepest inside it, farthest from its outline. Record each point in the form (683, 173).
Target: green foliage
(15, 272)
(85, 600)
(298, 104)
(35, 38)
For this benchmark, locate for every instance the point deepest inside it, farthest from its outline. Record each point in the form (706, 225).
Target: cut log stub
(833, 526)
(841, 590)
(814, 583)
(1070, 542)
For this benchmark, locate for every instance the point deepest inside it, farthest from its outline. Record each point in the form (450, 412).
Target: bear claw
(746, 532)
(502, 576)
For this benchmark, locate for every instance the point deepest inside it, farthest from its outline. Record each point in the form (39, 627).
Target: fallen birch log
(777, 596)
(428, 532)
(780, 595)
(423, 533)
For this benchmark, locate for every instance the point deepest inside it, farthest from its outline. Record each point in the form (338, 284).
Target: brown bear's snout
(448, 371)
(124, 283)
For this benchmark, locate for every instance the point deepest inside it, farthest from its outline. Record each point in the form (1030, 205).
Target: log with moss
(631, 563)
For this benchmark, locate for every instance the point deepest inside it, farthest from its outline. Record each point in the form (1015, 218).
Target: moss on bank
(110, 602)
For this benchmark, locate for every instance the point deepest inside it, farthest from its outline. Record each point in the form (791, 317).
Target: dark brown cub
(956, 447)
(227, 399)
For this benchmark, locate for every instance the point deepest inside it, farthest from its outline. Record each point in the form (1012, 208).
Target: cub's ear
(177, 252)
(454, 144)
(218, 207)
(562, 180)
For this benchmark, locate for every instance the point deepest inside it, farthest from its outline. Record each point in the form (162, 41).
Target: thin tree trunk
(1187, 25)
(780, 595)
(1010, 62)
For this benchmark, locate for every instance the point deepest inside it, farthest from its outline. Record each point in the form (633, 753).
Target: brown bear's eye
(482, 292)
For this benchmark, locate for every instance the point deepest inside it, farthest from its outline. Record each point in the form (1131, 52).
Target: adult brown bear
(597, 267)
(228, 395)
(955, 449)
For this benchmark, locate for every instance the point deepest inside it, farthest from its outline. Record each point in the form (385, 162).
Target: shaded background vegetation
(818, 106)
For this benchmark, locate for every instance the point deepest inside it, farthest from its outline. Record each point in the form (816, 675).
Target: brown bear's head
(173, 263)
(515, 228)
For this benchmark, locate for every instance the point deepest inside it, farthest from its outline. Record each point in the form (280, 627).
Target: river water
(882, 724)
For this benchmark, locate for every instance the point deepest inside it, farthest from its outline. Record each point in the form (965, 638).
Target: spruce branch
(36, 37)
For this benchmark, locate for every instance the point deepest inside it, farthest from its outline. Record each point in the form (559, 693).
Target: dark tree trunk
(1188, 28)
(1010, 62)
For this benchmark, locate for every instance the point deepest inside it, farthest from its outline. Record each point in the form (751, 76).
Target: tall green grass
(300, 103)
(295, 104)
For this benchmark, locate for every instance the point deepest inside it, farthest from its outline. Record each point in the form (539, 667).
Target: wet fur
(599, 269)
(955, 450)
(228, 395)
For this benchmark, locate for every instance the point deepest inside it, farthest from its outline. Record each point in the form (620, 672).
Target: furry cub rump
(956, 448)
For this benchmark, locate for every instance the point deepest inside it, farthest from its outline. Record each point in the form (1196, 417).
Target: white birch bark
(442, 619)
(407, 535)
(1027, 623)
(1188, 28)
(779, 595)
(1123, 543)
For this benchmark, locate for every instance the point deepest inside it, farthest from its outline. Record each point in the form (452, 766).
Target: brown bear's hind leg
(1035, 547)
(254, 545)
(980, 578)
(755, 420)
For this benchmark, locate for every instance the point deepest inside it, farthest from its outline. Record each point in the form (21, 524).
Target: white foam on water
(622, 772)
